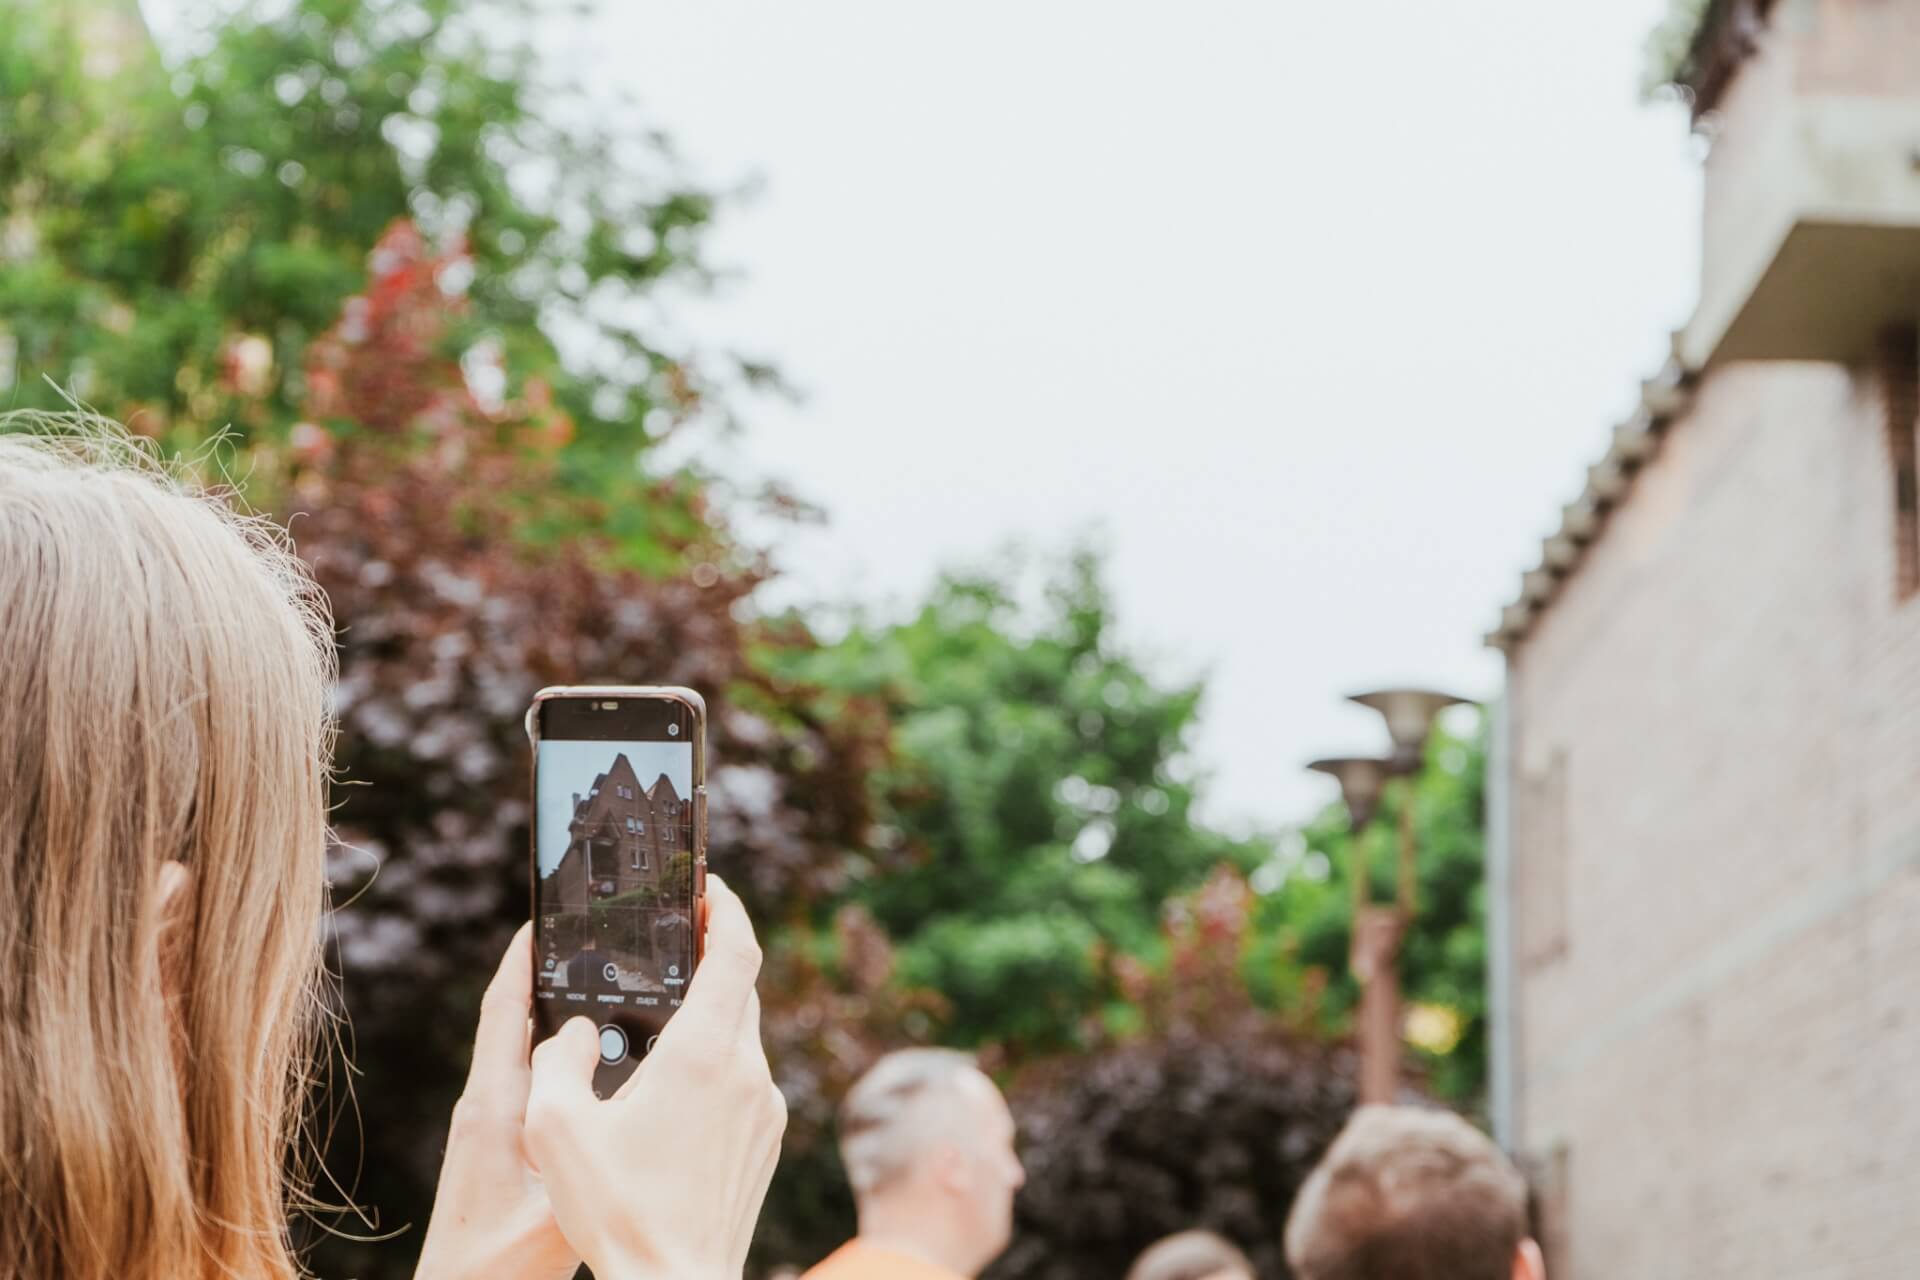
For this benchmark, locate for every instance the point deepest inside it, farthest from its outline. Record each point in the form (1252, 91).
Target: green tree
(1298, 959)
(175, 240)
(1670, 44)
(1040, 809)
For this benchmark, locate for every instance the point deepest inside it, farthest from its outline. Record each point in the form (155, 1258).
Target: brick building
(1705, 810)
(620, 839)
(618, 902)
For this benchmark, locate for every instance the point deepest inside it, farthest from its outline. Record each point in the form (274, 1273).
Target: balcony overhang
(1828, 293)
(1825, 253)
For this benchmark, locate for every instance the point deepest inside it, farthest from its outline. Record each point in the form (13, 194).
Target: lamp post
(1377, 930)
(1409, 714)
(1362, 780)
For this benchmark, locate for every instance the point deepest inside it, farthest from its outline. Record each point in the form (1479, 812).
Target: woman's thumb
(563, 1072)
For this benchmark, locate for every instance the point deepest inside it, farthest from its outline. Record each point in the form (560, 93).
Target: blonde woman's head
(165, 674)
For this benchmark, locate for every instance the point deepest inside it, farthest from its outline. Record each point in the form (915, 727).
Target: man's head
(928, 1142)
(1192, 1255)
(1411, 1194)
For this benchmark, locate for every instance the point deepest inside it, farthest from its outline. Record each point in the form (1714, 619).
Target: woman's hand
(490, 1213)
(664, 1180)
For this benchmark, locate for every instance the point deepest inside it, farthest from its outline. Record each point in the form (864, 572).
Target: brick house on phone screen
(621, 838)
(1704, 866)
(617, 892)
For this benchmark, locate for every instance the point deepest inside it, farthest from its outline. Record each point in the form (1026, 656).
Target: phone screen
(614, 850)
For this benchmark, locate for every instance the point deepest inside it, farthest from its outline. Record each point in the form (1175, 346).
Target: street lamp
(1361, 779)
(1377, 930)
(1409, 714)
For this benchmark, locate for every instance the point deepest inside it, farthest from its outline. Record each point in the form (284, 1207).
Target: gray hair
(887, 1122)
(1191, 1255)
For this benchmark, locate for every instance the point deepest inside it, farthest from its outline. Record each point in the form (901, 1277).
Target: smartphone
(619, 862)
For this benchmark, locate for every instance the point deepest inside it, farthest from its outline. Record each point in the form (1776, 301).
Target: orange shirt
(856, 1260)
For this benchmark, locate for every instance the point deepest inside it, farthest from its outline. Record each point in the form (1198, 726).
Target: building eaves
(1663, 399)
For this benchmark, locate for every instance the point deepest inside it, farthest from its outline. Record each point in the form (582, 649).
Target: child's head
(165, 688)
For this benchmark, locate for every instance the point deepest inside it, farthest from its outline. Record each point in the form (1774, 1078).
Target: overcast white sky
(1313, 314)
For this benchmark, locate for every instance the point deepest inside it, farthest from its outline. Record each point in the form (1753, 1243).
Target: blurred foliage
(1214, 1107)
(1040, 797)
(1162, 1134)
(1207, 1110)
(1298, 959)
(446, 628)
(1211, 1116)
(1670, 43)
(1030, 824)
(173, 239)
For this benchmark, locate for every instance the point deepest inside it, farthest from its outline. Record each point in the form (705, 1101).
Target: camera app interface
(613, 890)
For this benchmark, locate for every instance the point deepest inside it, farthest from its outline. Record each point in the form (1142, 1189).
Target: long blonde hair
(165, 683)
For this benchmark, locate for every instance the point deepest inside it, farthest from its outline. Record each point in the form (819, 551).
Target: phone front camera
(673, 731)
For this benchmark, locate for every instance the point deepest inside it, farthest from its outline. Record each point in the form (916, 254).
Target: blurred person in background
(928, 1144)
(1406, 1193)
(1192, 1255)
(164, 765)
